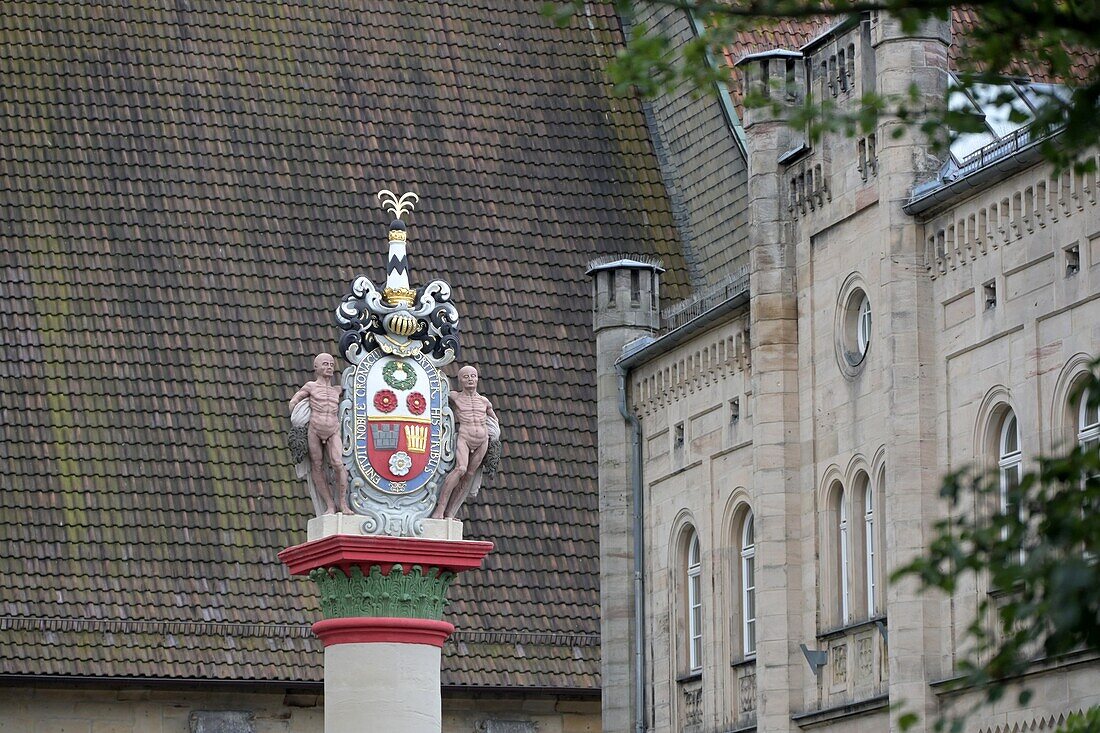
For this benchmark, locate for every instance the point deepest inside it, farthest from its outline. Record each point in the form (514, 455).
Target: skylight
(1006, 109)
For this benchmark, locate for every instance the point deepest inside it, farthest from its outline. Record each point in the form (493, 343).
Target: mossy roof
(187, 192)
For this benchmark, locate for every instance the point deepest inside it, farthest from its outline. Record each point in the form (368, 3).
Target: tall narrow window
(1088, 436)
(869, 547)
(748, 587)
(1088, 423)
(1009, 462)
(695, 606)
(842, 560)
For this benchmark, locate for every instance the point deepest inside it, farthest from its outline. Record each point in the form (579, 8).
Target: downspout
(639, 550)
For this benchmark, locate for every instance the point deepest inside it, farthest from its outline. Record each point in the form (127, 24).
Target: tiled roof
(963, 19)
(187, 193)
(790, 35)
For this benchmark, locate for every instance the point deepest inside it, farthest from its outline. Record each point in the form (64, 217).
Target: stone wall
(696, 415)
(54, 710)
(1015, 270)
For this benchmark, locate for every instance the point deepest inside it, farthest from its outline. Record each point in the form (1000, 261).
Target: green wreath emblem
(403, 382)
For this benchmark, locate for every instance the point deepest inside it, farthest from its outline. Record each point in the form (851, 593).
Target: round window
(853, 328)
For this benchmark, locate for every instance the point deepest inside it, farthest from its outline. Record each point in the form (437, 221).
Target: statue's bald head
(321, 359)
(467, 377)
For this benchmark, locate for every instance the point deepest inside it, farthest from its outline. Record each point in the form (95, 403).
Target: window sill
(998, 593)
(744, 661)
(689, 677)
(822, 716)
(749, 725)
(953, 685)
(839, 631)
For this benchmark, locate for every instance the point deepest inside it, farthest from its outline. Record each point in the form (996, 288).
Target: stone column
(382, 599)
(919, 622)
(780, 497)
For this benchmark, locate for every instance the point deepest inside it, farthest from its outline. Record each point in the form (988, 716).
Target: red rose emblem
(416, 403)
(385, 400)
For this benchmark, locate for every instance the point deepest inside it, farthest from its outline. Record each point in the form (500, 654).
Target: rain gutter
(649, 350)
(931, 202)
(301, 687)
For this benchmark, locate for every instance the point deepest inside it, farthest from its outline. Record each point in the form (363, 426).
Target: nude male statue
(474, 414)
(324, 433)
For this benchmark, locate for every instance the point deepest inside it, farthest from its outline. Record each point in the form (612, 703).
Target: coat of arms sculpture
(394, 429)
(396, 420)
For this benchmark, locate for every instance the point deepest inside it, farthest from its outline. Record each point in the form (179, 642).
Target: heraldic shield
(397, 414)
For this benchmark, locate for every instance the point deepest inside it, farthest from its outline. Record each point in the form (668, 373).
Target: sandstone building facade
(770, 453)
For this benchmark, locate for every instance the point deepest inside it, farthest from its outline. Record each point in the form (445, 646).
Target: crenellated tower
(625, 312)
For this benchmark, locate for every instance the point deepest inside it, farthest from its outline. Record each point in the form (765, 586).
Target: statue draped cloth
(299, 449)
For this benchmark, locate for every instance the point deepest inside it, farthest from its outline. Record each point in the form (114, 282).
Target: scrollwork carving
(363, 317)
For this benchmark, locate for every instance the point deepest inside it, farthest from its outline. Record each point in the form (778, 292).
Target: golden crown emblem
(416, 438)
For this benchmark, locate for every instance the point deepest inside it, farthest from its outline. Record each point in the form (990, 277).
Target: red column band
(362, 630)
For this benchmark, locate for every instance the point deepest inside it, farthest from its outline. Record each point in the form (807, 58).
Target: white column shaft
(382, 686)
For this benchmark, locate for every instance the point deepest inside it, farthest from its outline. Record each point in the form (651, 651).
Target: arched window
(1009, 460)
(1088, 422)
(863, 545)
(1088, 437)
(869, 548)
(842, 558)
(694, 605)
(748, 587)
(1009, 465)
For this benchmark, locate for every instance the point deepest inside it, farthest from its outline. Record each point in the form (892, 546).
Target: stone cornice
(694, 367)
(344, 551)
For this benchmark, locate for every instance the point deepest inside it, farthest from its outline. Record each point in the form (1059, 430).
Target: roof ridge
(548, 638)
